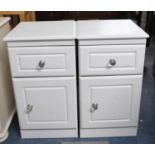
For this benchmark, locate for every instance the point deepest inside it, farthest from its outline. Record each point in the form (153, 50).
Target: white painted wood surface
(58, 61)
(48, 30)
(108, 132)
(54, 112)
(41, 43)
(95, 60)
(46, 97)
(117, 97)
(109, 105)
(54, 133)
(7, 107)
(112, 42)
(108, 29)
(53, 100)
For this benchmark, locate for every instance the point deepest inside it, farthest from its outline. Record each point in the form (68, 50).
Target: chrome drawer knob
(41, 64)
(29, 108)
(94, 106)
(112, 62)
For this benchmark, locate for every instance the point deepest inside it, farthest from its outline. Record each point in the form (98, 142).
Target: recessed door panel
(51, 102)
(46, 103)
(110, 101)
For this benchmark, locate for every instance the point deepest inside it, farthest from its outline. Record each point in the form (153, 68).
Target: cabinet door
(46, 103)
(111, 101)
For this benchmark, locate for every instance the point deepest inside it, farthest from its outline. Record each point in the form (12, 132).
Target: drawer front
(42, 61)
(46, 103)
(111, 59)
(111, 101)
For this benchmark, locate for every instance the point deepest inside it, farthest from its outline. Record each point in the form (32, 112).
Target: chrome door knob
(94, 106)
(112, 62)
(29, 108)
(41, 64)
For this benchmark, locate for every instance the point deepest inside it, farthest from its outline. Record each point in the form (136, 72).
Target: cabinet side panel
(6, 90)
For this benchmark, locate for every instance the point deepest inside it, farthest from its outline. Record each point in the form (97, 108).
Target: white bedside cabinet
(111, 61)
(42, 60)
(7, 105)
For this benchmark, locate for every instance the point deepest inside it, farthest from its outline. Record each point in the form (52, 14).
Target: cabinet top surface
(4, 20)
(109, 29)
(48, 30)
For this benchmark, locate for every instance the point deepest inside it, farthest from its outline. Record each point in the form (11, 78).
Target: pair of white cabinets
(67, 88)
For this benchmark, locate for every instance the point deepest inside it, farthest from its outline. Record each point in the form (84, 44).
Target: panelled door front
(111, 101)
(45, 103)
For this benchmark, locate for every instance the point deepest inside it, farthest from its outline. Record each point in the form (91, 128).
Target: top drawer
(111, 59)
(42, 61)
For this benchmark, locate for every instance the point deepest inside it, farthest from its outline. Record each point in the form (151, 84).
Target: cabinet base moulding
(66, 133)
(109, 132)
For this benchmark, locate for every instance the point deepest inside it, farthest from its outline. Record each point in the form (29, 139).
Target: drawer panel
(42, 61)
(111, 59)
